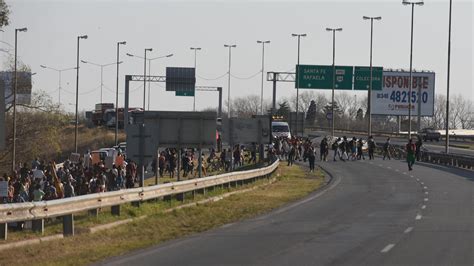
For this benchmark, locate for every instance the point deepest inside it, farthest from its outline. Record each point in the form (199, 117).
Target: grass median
(292, 183)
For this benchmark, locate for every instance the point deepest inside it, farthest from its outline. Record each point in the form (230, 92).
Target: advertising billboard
(23, 93)
(394, 98)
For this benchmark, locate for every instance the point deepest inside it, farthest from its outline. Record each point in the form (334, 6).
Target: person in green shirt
(38, 194)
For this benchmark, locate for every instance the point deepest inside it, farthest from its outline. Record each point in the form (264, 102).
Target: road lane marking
(423, 207)
(396, 170)
(389, 167)
(425, 187)
(408, 230)
(418, 179)
(380, 165)
(411, 176)
(426, 192)
(404, 173)
(418, 217)
(422, 183)
(387, 248)
(426, 199)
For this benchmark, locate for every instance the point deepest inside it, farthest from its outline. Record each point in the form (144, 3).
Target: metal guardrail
(38, 211)
(455, 160)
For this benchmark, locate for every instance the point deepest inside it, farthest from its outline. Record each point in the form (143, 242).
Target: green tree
(283, 109)
(4, 14)
(311, 113)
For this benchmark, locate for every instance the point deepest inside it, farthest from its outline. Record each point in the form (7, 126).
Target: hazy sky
(175, 26)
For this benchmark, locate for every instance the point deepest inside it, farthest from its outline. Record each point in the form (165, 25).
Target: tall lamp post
(413, 3)
(448, 77)
(117, 93)
(263, 70)
(369, 100)
(59, 79)
(195, 49)
(149, 70)
(230, 46)
(333, 74)
(77, 91)
(297, 81)
(144, 77)
(101, 73)
(14, 97)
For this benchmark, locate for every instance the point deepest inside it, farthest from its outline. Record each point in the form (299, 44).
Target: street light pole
(420, 3)
(263, 71)
(448, 77)
(369, 94)
(144, 77)
(230, 46)
(333, 74)
(14, 97)
(195, 64)
(101, 73)
(297, 80)
(60, 71)
(117, 93)
(77, 92)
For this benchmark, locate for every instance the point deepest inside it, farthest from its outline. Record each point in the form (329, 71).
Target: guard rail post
(94, 212)
(115, 209)
(3, 231)
(38, 226)
(68, 225)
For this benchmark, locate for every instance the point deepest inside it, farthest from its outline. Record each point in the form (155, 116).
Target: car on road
(429, 134)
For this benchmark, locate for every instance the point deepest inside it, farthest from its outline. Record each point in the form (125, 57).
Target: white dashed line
(411, 176)
(396, 170)
(418, 217)
(426, 192)
(387, 248)
(380, 165)
(408, 230)
(425, 187)
(418, 179)
(423, 207)
(388, 167)
(426, 199)
(422, 183)
(404, 173)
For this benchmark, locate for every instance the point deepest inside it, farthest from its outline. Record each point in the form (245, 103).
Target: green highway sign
(321, 77)
(362, 78)
(184, 93)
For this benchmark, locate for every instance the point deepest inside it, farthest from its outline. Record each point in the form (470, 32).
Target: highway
(371, 213)
(432, 146)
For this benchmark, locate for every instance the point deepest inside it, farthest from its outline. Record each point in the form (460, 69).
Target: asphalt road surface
(372, 213)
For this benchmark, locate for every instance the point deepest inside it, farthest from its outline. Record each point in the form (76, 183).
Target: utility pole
(230, 46)
(117, 93)
(369, 94)
(195, 63)
(297, 80)
(333, 74)
(263, 73)
(448, 77)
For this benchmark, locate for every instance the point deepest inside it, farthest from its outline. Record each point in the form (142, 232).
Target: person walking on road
(386, 149)
(360, 152)
(323, 150)
(335, 148)
(418, 145)
(291, 155)
(371, 146)
(311, 158)
(410, 148)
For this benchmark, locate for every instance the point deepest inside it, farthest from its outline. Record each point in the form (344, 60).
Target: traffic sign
(321, 77)
(362, 78)
(180, 79)
(184, 93)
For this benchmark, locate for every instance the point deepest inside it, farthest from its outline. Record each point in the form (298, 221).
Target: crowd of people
(41, 180)
(344, 149)
(45, 181)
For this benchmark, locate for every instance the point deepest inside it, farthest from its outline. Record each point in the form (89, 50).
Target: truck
(98, 117)
(280, 129)
(429, 134)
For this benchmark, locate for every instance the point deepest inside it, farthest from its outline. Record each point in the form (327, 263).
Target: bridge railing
(66, 208)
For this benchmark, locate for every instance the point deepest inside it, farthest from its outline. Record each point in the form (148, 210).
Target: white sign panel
(394, 98)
